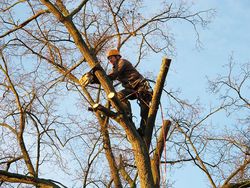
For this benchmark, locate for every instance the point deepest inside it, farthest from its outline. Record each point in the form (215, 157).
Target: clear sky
(227, 34)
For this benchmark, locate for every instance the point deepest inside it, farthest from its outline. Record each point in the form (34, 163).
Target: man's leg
(144, 116)
(123, 95)
(145, 99)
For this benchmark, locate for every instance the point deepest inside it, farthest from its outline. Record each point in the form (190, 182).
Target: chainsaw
(89, 78)
(86, 79)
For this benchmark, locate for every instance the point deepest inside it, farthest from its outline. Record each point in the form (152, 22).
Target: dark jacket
(124, 72)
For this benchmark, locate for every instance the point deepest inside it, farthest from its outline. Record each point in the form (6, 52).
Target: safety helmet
(113, 52)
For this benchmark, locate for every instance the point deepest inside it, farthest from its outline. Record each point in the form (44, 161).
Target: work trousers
(144, 96)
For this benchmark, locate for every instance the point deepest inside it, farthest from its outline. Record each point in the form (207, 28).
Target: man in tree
(135, 85)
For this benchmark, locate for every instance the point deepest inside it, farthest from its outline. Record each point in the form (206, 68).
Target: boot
(127, 107)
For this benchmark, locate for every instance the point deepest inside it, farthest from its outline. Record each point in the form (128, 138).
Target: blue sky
(227, 34)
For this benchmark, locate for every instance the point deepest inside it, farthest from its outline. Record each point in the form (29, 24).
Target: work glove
(86, 79)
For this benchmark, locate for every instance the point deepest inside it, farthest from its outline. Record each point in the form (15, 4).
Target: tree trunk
(138, 145)
(156, 99)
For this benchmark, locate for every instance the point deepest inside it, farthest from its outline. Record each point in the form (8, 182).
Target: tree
(233, 90)
(59, 40)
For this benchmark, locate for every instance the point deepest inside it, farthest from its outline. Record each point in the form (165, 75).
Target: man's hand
(86, 79)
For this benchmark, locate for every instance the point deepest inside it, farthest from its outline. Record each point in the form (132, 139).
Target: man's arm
(117, 70)
(90, 77)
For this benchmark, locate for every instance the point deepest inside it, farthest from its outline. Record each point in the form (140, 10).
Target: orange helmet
(113, 52)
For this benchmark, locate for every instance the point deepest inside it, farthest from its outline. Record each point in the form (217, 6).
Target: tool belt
(144, 91)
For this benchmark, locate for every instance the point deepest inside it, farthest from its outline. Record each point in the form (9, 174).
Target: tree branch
(234, 173)
(108, 152)
(75, 11)
(201, 165)
(158, 152)
(105, 110)
(18, 178)
(125, 174)
(11, 6)
(25, 22)
(9, 127)
(242, 184)
(156, 99)
(22, 119)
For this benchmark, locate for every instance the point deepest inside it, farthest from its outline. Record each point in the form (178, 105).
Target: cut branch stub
(104, 110)
(111, 95)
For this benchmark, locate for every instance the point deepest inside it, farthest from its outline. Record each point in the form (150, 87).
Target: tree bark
(109, 154)
(22, 121)
(156, 100)
(155, 162)
(243, 184)
(17, 178)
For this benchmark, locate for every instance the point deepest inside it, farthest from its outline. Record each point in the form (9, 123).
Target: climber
(135, 86)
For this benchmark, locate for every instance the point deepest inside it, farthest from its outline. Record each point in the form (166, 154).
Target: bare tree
(64, 39)
(233, 91)
(219, 150)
